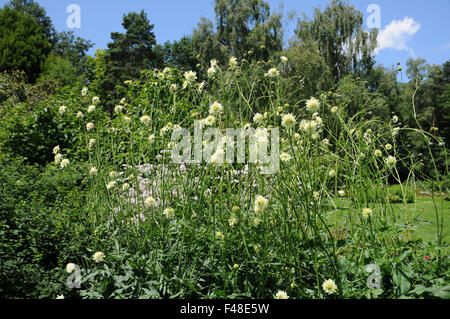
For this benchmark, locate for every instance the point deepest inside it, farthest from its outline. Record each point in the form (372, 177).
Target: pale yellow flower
(89, 126)
(62, 110)
(366, 212)
(118, 108)
(329, 286)
(150, 201)
(260, 203)
(70, 267)
(111, 184)
(64, 163)
(98, 256)
(215, 108)
(145, 119)
(273, 72)
(190, 76)
(281, 295)
(391, 160)
(91, 108)
(312, 104)
(169, 212)
(219, 235)
(285, 157)
(288, 120)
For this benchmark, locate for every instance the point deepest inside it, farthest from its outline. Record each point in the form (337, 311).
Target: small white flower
(64, 163)
(150, 201)
(210, 120)
(56, 150)
(98, 256)
(281, 295)
(233, 62)
(395, 119)
(391, 160)
(58, 158)
(89, 126)
(284, 59)
(169, 212)
(80, 115)
(84, 91)
(211, 71)
(273, 72)
(95, 100)
(190, 76)
(62, 110)
(285, 157)
(366, 212)
(110, 185)
(232, 220)
(91, 108)
(332, 173)
(288, 120)
(312, 104)
(258, 118)
(145, 119)
(341, 193)
(118, 108)
(215, 108)
(93, 171)
(219, 235)
(91, 143)
(329, 286)
(70, 267)
(260, 203)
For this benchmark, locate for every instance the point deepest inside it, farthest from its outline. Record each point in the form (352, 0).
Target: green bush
(39, 221)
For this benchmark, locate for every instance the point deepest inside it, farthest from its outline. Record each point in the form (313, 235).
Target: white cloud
(396, 34)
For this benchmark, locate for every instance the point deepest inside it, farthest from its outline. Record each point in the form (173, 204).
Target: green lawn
(423, 215)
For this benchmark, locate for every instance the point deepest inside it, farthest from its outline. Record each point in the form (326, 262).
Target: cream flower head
(215, 108)
(329, 286)
(281, 295)
(288, 120)
(190, 76)
(98, 256)
(312, 104)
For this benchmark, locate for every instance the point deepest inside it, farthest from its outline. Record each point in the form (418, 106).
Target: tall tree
(33, 9)
(241, 26)
(179, 54)
(74, 49)
(23, 44)
(338, 32)
(128, 53)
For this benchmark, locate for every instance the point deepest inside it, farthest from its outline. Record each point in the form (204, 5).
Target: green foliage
(33, 9)
(37, 216)
(59, 69)
(307, 67)
(23, 44)
(338, 32)
(245, 29)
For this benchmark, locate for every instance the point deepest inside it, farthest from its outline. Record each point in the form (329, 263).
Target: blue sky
(414, 27)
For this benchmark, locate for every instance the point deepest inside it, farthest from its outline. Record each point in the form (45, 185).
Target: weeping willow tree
(340, 38)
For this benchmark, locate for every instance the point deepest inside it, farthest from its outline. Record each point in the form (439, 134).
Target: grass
(423, 213)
